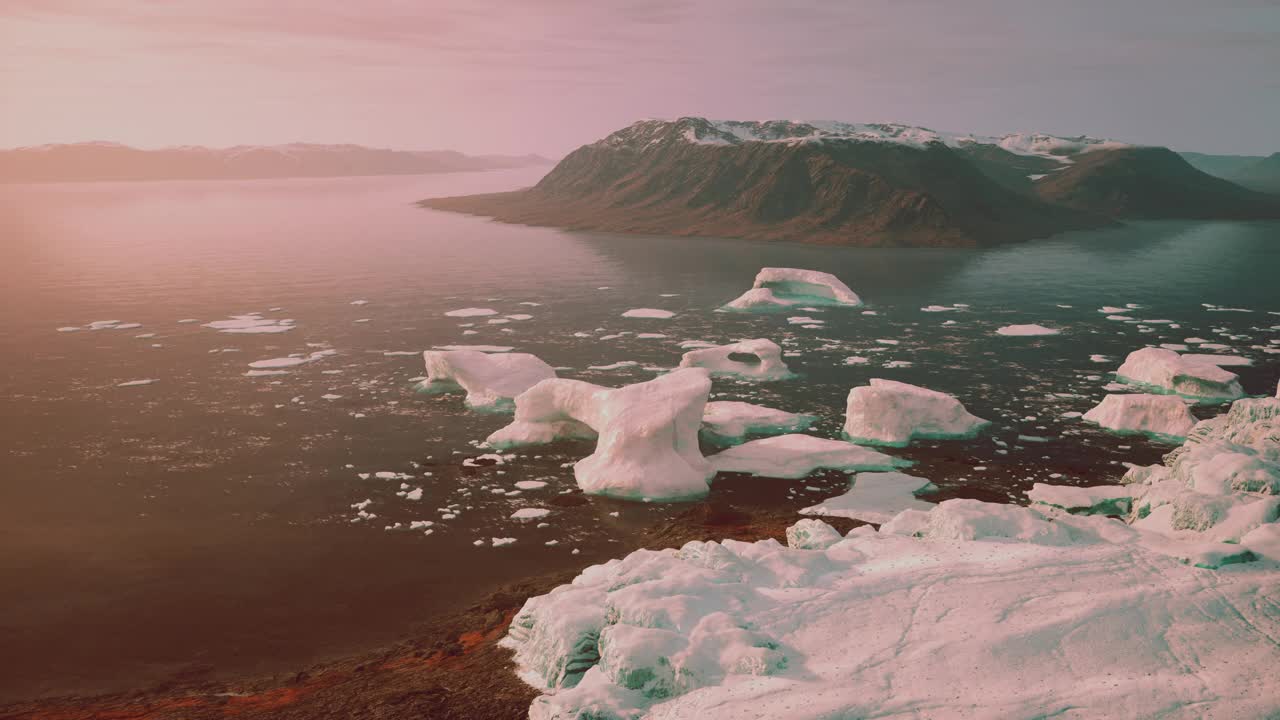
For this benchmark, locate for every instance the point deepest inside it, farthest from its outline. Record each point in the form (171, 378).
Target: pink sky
(547, 75)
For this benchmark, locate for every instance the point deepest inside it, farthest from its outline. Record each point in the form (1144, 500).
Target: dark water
(202, 524)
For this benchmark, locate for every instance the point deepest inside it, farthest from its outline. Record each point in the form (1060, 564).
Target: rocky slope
(110, 161)
(836, 184)
(1151, 183)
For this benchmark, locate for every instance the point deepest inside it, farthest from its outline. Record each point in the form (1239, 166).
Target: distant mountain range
(98, 161)
(860, 184)
(1256, 172)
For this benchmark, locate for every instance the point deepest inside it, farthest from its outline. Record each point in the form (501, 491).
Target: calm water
(202, 524)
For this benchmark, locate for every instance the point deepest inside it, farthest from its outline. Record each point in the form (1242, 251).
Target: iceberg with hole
(732, 421)
(1169, 372)
(776, 288)
(876, 497)
(491, 380)
(646, 434)
(795, 456)
(888, 412)
(757, 359)
(1166, 416)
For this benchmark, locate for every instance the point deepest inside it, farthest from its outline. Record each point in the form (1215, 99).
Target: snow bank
(795, 456)
(731, 420)
(888, 412)
(876, 497)
(1174, 373)
(647, 433)
(784, 287)
(1164, 415)
(490, 380)
(757, 359)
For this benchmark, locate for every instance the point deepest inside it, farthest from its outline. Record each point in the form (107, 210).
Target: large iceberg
(731, 420)
(1173, 373)
(490, 380)
(757, 359)
(795, 456)
(1163, 415)
(785, 287)
(646, 433)
(876, 497)
(982, 610)
(888, 412)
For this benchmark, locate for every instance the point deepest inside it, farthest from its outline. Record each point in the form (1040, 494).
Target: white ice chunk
(795, 456)
(490, 380)
(471, 312)
(757, 359)
(652, 313)
(734, 420)
(1173, 373)
(784, 287)
(876, 497)
(647, 433)
(1164, 415)
(530, 513)
(812, 535)
(1026, 330)
(888, 412)
(251, 324)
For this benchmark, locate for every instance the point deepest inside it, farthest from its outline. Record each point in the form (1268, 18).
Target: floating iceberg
(785, 287)
(1163, 415)
(888, 412)
(751, 359)
(1026, 330)
(251, 324)
(795, 456)
(650, 313)
(876, 497)
(647, 433)
(1174, 373)
(732, 421)
(489, 379)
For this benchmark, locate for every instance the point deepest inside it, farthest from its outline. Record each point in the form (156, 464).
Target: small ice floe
(650, 336)
(359, 302)
(361, 320)
(530, 513)
(891, 364)
(757, 359)
(1027, 330)
(696, 344)
(69, 328)
(477, 348)
(499, 542)
(939, 308)
(887, 412)
(651, 313)
(795, 456)
(856, 360)
(251, 324)
(1165, 416)
(647, 433)
(1099, 358)
(732, 420)
(490, 380)
(189, 320)
(103, 324)
(530, 485)
(471, 312)
(887, 341)
(614, 366)
(291, 361)
(785, 287)
(133, 383)
(330, 396)
(1120, 318)
(1174, 373)
(414, 494)
(876, 497)
(1219, 360)
(518, 316)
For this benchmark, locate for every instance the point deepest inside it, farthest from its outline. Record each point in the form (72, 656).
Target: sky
(517, 76)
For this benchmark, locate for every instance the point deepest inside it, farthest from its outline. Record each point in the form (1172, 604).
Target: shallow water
(202, 524)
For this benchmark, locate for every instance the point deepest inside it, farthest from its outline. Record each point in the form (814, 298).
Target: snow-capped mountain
(859, 184)
(112, 161)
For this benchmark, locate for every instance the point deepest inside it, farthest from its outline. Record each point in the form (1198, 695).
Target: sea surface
(202, 525)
